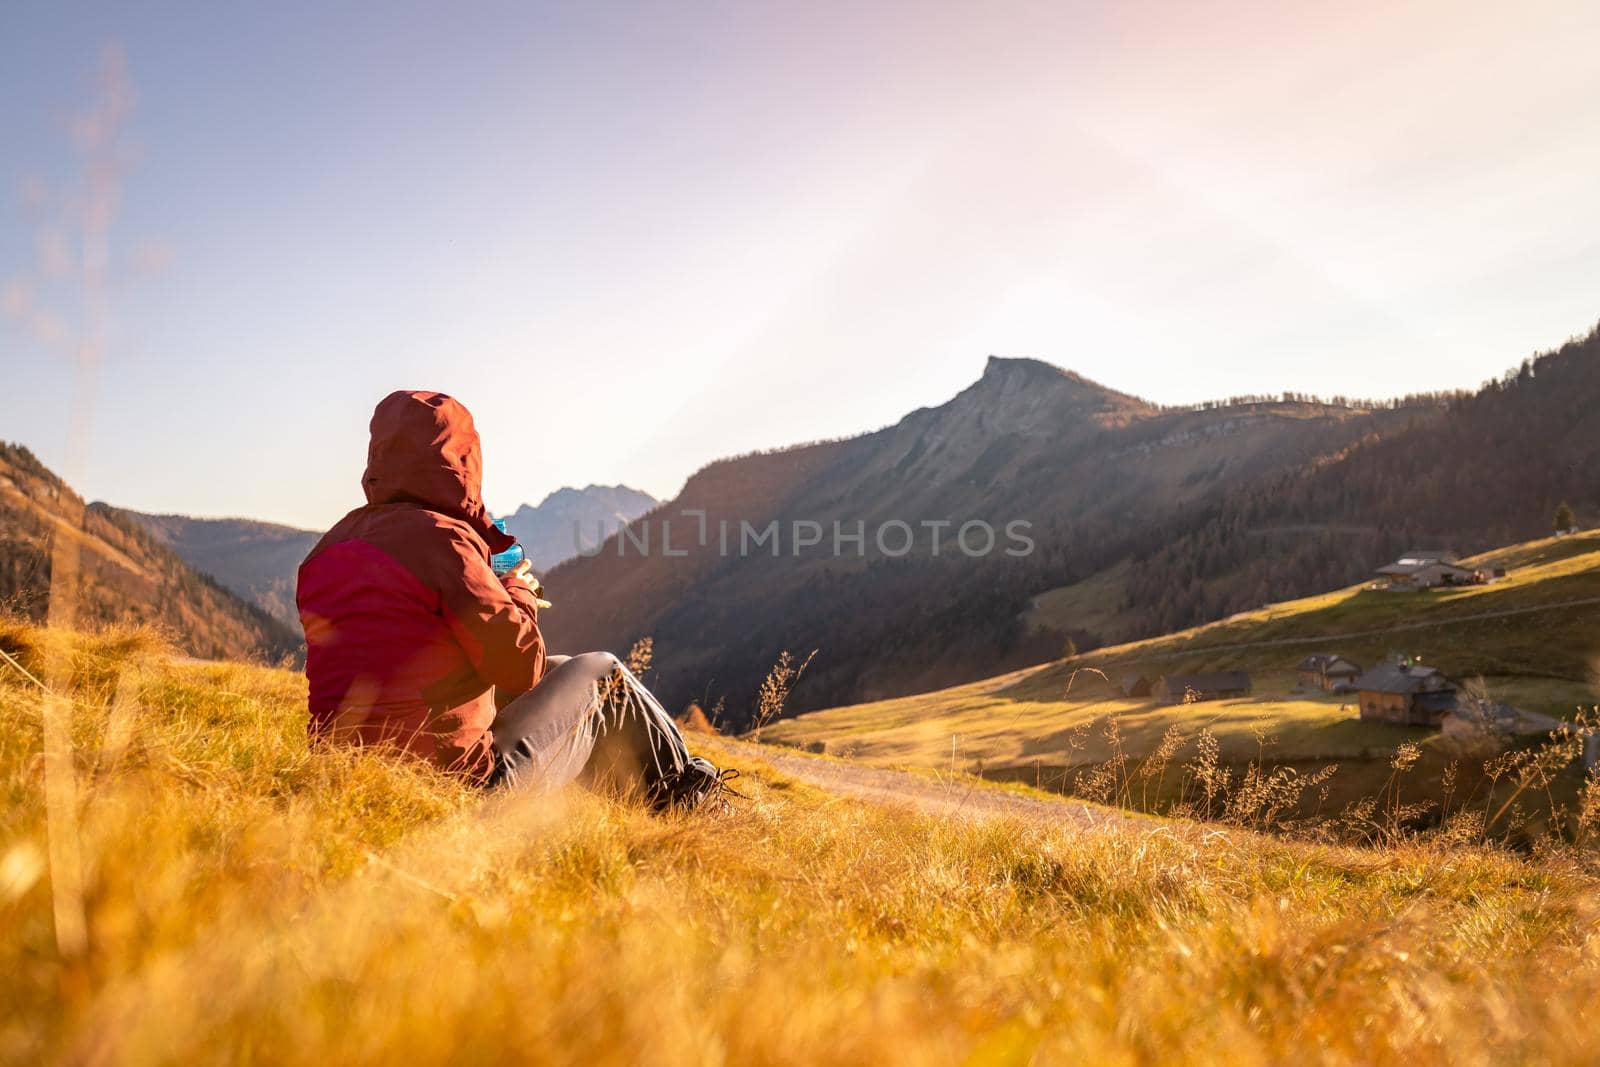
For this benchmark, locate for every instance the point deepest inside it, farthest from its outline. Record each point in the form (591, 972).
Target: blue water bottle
(505, 562)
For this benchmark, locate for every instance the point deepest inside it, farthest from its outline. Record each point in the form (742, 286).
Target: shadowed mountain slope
(126, 574)
(256, 560)
(1092, 472)
(1490, 470)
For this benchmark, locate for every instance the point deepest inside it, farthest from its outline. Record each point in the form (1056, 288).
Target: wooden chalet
(1405, 695)
(1190, 688)
(1135, 685)
(1425, 569)
(1327, 672)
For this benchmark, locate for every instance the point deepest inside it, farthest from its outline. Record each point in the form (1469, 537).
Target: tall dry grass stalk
(641, 657)
(74, 256)
(775, 689)
(60, 775)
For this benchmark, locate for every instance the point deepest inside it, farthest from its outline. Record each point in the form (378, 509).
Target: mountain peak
(620, 498)
(547, 531)
(1020, 375)
(1005, 366)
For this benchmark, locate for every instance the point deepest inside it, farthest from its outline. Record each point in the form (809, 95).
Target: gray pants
(589, 720)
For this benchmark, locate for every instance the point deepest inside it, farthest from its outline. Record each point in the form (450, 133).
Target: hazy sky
(636, 238)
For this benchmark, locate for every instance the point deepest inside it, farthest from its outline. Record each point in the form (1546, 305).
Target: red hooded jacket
(410, 636)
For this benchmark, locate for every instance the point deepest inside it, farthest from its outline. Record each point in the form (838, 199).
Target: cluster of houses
(1405, 693)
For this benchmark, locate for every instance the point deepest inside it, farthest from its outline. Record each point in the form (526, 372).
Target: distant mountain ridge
(568, 520)
(125, 573)
(259, 561)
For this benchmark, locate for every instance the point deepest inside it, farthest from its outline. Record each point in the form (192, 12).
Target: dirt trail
(950, 797)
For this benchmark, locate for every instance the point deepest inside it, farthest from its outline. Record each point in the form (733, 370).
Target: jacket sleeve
(496, 623)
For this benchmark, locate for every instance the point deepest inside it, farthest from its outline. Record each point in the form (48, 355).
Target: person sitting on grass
(414, 643)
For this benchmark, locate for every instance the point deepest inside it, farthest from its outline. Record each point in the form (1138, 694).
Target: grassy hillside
(1534, 624)
(1533, 639)
(246, 900)
(124, 573)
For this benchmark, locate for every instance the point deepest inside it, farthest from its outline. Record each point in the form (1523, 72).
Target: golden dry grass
(250, 901)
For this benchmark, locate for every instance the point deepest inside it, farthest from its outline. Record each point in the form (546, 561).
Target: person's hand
(523, 574)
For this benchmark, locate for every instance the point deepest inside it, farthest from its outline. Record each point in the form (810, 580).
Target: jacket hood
(425, 450)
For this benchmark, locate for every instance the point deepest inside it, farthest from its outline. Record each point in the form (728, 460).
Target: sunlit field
(1050, 726)
(246, 900)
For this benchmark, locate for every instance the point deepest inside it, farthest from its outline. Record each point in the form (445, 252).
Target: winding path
(929, 794)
